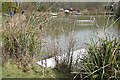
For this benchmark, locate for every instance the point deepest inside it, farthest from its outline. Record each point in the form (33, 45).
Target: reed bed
(23, 40)
(102, 61)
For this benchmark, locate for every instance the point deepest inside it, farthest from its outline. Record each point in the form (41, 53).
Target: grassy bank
(12, 70)
(24, 42)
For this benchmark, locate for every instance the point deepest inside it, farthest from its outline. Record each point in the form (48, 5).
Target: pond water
(61, 28)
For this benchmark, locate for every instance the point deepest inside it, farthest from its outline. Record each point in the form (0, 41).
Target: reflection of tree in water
(119, 29)
(119, 20)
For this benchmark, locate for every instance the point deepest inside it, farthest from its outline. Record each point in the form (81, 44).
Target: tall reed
(103, 60)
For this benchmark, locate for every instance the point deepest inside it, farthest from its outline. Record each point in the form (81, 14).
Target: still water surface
(61, 28)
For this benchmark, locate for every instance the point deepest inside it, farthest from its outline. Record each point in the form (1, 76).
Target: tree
(7, 6)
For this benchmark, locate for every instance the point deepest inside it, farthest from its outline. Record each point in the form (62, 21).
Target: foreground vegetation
(22, 43)
(12, 70)
(103, 60)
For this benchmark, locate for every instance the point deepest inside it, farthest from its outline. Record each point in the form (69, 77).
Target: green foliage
(103, 59)
(11, 70)
(41, 8)
(20, 42)
(0, 71)
(7, 6)
(17, 43)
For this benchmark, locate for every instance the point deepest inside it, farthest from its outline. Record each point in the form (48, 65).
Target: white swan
(51, 62)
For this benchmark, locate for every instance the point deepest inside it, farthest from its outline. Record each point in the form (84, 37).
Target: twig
(96, 71)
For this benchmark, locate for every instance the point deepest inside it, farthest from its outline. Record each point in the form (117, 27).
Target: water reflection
(60, 28)
(119, 29)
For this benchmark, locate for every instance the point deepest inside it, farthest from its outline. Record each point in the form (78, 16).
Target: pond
(60, 28)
